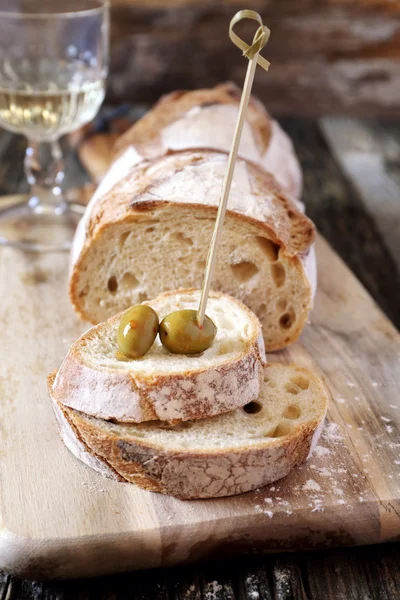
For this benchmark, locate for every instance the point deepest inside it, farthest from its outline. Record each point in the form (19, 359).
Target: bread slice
(219, 456)
(160, 385)
(201, 119)
(151, 233)
(205, 119)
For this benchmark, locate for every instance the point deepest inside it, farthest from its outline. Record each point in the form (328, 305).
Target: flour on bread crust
(209, 469)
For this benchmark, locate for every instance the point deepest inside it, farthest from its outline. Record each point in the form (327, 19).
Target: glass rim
(72, 14)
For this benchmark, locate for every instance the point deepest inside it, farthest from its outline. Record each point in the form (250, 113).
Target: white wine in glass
(53, 67)
(43, 115)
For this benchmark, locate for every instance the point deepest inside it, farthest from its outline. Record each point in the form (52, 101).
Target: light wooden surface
(60, 519)
(353, 573)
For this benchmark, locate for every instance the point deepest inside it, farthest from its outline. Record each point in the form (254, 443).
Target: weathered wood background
(327, 56)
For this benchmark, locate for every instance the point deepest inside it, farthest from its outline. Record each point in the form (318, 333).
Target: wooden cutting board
(60, 519)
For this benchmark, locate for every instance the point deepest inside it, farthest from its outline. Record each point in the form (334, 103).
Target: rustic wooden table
(352, 192)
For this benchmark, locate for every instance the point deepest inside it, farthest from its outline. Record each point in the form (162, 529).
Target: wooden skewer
(216, 238)
(254, 58)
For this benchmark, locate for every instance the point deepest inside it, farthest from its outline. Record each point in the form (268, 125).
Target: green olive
(180, 333)
(137, 331)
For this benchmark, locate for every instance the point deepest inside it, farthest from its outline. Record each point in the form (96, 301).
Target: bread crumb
(321, 451)
(385, 419)
(324, 472)
(263, 511)
(375, 384)
(317, 505)
(312, 486)
(389, 428)
(341, 400)
(393, 406)
(351, 384)
(331, 433)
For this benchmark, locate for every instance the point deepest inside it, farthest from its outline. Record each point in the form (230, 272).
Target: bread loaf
(205, 119)
(152, 230)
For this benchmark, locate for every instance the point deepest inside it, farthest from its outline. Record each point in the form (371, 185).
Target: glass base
(39, 227)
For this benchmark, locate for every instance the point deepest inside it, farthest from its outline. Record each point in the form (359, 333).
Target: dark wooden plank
(217, 582)
(360, 147)
(340, 576)
(370, 573)
(4, 584)
(287, 578)
(339, 213)
(25, 590)
(185, 585)
(253, 581)
(382, 574)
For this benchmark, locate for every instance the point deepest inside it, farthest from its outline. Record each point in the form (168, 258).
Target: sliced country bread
(219, 456)
(200, 119)
(152, 231)
(205, 119)
(161, 385)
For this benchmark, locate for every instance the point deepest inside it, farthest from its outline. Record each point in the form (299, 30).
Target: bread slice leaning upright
(161, 385)
(209, 458)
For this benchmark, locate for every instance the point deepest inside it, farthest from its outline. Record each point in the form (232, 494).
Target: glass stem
(44, 170)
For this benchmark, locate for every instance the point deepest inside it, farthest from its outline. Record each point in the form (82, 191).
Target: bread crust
(268, 204)
(144, 135)
(200, 473)
(205, 119)
(130, 202)
(178, 396)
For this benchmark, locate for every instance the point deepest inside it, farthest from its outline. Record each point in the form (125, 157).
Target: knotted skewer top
(260, 39)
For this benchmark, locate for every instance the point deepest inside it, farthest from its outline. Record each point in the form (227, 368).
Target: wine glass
(53, 68)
